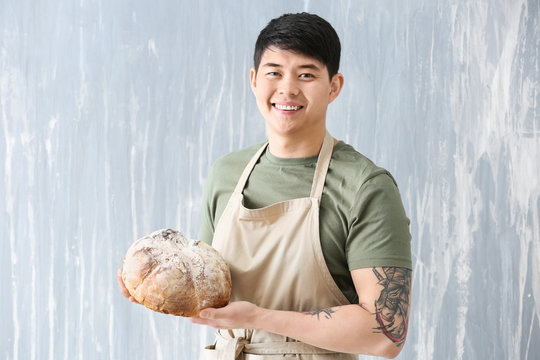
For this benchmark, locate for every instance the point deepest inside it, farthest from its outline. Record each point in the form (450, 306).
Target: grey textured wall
(112, 112)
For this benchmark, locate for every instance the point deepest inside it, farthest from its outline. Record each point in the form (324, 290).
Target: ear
(336, 84)
(253, 78)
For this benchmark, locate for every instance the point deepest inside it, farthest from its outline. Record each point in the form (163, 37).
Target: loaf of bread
(168, 273)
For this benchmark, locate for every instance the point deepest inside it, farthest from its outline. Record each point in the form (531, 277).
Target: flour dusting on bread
(171, 274)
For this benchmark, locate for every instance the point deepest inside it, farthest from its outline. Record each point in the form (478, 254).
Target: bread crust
(171, 274)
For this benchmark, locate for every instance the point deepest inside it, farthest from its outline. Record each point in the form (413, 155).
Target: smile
(287, 107)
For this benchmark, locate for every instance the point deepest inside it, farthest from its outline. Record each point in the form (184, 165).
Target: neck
(295, 146)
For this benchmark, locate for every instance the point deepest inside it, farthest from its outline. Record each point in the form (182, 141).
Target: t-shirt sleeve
(206, 233)
(379, 229)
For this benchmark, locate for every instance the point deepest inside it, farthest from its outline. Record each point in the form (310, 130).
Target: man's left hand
(236, 315)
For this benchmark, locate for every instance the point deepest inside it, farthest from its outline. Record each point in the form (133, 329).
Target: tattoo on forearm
(327, 313)
(392, 307)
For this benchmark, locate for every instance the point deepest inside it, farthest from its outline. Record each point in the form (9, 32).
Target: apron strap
(322, 166)
(285, 348)
(230, 345)
(248, 169)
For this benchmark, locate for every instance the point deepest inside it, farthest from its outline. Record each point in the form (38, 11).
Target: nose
(288, 86)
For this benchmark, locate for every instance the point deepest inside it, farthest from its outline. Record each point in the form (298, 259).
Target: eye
(306, 76)
(272, 74)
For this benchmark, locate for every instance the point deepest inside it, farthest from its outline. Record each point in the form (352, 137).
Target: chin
(283, 129)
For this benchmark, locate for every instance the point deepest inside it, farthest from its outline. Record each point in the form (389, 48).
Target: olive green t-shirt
(362, 222)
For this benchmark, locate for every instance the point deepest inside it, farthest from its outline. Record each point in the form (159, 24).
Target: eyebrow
(304, 66)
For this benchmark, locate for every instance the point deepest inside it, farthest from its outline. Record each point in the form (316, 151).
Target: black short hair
(305, 33)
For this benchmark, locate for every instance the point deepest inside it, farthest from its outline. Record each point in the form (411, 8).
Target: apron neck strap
(320, 170)
(322, 166)
(247, 170)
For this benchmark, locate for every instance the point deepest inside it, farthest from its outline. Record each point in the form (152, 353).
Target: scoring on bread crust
(169, 273)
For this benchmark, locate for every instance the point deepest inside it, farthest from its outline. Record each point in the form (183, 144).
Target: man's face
(293, 92)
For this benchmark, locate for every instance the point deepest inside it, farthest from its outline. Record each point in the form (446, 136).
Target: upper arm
(378, 233)
(385, 292)
(209, 201)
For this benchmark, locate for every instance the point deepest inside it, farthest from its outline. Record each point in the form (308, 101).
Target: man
(315, 234)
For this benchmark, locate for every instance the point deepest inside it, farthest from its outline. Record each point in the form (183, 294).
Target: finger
(200, 321)
(126, 294)
(196, 320)
(121, 284)
(208, 313)
(204, 314)
(119, 278)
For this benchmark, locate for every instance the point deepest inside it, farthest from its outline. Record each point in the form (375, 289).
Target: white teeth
(287, 107)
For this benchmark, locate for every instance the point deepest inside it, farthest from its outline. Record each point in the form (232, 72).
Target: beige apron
(276, 262)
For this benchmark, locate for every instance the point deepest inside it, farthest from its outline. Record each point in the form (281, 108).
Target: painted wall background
(112, 113)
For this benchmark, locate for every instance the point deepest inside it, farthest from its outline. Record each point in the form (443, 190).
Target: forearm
(377, 327)
(350, 329)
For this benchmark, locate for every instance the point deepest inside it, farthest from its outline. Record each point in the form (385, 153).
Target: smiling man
(314, 233)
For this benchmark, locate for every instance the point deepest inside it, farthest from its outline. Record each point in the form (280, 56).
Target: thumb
(207, 313)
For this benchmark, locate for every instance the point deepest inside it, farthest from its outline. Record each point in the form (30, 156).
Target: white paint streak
(158, 353)
(152, 48)
(33, 281)
(133, 111)
(466, 214)
(51, 301)
(9, 95)
(80, 265)
(52, 153)
(67, 300)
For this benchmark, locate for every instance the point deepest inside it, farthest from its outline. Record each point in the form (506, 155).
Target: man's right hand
(123, 288)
